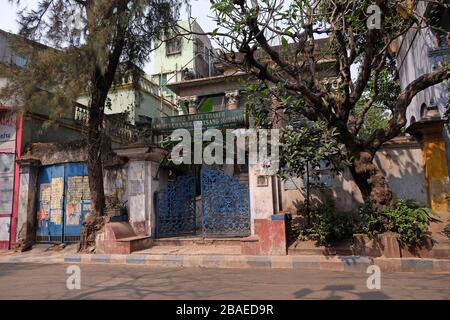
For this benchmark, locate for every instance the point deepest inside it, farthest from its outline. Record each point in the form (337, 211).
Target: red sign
(8, 132)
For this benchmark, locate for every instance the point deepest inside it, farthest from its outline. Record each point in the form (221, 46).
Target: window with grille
(173, 46)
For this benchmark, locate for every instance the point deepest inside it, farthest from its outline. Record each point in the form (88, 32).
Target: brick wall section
(120, 238)
(269, 237)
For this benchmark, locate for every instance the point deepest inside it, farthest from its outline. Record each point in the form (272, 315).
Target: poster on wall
(6, 193)
(7, 132)
(57, 193)
(6, 182)
(7, 164)
(4, 229)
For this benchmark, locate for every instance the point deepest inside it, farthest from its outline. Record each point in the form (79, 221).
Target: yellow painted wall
(436, 173)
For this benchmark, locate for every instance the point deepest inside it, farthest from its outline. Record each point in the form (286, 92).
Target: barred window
(173, 46)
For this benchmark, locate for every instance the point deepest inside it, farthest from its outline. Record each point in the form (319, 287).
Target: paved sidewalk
(121, 281)
(346, 264)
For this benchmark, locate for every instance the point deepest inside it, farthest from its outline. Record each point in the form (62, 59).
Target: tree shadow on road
(339, 292)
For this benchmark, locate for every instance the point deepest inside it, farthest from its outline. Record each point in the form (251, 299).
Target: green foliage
(258, 104)
(328, 225)
(387, 89)
(207, 106)
(87, 41)
(370, 221)
(405, 218)
(447, 230)
(375, 118)
(305, 143)
(279, 44)
(409, 221)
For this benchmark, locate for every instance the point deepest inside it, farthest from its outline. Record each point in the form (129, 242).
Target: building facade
(424, 50)
(21, 130)
(136, 98)
(183, 57)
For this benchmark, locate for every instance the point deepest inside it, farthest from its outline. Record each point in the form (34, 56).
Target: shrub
(328, 226)
(447, 230)
(408, 220)
(370, 222)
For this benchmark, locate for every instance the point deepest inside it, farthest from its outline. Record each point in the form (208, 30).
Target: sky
(200, 10)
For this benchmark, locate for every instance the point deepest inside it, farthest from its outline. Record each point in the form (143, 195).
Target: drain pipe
(280, 194)
(275, 194)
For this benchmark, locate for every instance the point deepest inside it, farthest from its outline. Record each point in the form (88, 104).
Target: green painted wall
(169, 63)
(121, 101)
(143, 102)
(168, 68)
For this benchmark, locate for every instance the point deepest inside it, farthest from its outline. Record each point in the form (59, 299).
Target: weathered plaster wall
(417, 56)
(55, 153)
(137, 186)
(401, 163)
(143, 181)
(34, 132)
(123, 100)
(268, 229)
(261, 195)
(116, 182)
(171, 63)
(26, 218)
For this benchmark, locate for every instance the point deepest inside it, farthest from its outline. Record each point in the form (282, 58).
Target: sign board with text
(7, 132)
(218, 119)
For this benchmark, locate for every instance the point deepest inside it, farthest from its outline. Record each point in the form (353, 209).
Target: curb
(343, 264)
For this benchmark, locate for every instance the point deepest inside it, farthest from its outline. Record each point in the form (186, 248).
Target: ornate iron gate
(175, 208)
(225, 205)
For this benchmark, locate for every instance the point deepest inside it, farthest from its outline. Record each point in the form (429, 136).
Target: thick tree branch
(398, 119)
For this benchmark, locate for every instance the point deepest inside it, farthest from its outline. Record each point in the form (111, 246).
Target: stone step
(309, 248)
(319, 251)
(195, 250)
(197, 241)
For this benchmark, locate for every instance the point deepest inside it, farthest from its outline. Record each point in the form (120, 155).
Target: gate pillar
(430, 132)
(144, 179)
(26, 218)
(268, 225)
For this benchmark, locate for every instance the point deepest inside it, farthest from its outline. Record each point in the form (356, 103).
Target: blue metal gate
(63, 202)
(225, 205)
(175, 208)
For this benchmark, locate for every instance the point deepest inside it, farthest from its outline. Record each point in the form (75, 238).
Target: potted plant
(116, 210)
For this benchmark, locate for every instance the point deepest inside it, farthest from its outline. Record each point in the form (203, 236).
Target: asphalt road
(28, 281)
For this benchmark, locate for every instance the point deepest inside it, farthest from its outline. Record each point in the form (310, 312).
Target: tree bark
(370, 180)
(96, 221)
(100, 85)
(94, 161)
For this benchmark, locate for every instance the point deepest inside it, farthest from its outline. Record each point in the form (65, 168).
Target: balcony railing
(439, 57)
(121, 131)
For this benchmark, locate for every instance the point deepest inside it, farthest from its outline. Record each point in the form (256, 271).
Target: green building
(137, 98)
(183, 58)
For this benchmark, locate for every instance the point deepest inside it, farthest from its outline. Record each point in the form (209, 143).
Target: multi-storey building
(183, 57)
(133, 101)
(425, 49)
(137, 98)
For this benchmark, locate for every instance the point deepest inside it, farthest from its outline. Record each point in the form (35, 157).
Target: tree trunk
(102, 78)
(370, 180)
(95, 169)
(94, 161)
